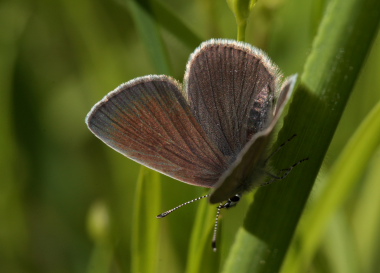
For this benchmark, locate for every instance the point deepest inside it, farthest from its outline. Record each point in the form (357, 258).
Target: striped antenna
(166, 213)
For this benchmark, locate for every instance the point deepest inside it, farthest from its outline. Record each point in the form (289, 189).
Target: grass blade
(328, 78)
(145, 233)
(148, 29)
(13, 234)
(365, 220)
(170, 21)
(201, 258)
(342, 180)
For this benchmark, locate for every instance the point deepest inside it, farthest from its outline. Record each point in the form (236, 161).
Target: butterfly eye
(232, 201)
(235, 198)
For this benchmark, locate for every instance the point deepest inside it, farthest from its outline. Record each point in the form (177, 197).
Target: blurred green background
(66, 200)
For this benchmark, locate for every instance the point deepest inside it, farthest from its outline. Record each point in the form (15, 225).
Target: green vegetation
(70, 204)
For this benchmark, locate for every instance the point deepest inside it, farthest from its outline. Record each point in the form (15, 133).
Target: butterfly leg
(284, 172)
(279, 148)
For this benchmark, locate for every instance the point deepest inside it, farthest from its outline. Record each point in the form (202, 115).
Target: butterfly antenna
(284, 175)
(279, 148)
(166, 213)
(213, 243)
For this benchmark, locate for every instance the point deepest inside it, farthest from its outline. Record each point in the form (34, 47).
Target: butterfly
(211, 131)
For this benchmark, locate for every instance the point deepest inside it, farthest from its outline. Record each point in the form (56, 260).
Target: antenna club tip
(162, 215)
(214, 246)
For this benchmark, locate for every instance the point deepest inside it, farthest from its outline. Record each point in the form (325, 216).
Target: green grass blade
(173, 23)
(365, 218)
(13, 235)
(339, 247)
(342, 180)
(147, 27)
(201, 258)
(145, 233)
(329, 76)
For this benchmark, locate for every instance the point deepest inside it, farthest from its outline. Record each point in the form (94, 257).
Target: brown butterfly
(212, 131)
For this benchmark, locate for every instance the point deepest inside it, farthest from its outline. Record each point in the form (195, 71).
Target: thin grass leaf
(148, 29)
(365, 219)
(173, 23)
(13, 236)
(329, 76)
(339, 246)
(145, 232)
(342, 179)
(201, 258)
(168, 19)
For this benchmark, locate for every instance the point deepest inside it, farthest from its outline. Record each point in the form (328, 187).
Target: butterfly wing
(230, 87)
(149, 121)
(244, 174)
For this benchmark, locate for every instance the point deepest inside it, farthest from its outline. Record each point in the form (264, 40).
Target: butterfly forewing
(231, 87)
(149, 121)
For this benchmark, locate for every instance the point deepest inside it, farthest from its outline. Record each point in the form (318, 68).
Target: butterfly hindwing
(246, 171)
